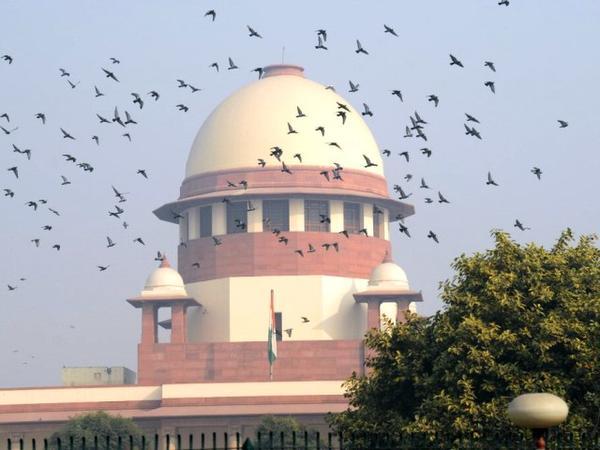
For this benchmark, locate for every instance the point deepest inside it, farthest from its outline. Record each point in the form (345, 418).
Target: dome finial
(282, 69)
(164, 262)
(387, 258)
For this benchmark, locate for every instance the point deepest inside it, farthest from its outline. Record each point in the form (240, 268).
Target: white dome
(388, 275)
(164, 281)
(249, 122)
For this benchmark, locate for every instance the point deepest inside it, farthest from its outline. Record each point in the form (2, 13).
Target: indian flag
(272, 349)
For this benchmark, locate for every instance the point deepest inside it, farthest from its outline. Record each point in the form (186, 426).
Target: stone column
(149, 323)
(402, 307)
(178, 323)
(373, 313)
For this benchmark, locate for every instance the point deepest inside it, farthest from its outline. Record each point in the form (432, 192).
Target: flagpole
(271, 330)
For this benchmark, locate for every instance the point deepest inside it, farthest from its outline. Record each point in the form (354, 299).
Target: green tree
(273, 430)
(117, 431)
(516, 319)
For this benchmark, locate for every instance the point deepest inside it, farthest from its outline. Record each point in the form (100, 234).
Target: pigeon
(110, 242)
(322, 33)
(353, 87)
(258, 70)
(491, 65)
(262, 162)
(433, 236)
(115, 61)
(73, 85)
(143, 173)
(252, 32)
(102, 268)
(424, 184)
(232, 65)
(470, 118)
(503, 2)
(137, 99)
(300, 113)
(359, 48)
(211, 13)
(42, 117)
(537, 172)
(110, 74)
(563, 124)
(182, 107)
(216, 241)
(520, 226)
(14, 170)
(441, 198)
(404, 229)
(398, 94)
(97, 91)
(491, 85)
(455, 62)
(155, 95)
(434, 98)
(389, 30)
(304, 319)
(368, 162)
(66, 135)
(366, 110)
(64, 181)
(490, 180)
(8, 193)
(8, 58)
(64, 73)
(139, 240)
(321, 130)
(320, 45)
(291, 129)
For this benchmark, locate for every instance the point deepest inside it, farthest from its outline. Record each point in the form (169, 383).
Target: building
(94, 376)
(284, 193)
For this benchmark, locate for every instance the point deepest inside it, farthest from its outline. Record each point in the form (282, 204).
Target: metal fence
(308, 441)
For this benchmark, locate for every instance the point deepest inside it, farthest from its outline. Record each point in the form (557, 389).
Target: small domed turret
(164, 281)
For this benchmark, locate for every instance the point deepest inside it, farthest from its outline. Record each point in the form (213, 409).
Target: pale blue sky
(547, 59)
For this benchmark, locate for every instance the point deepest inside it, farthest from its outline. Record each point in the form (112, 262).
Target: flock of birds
(124, 119)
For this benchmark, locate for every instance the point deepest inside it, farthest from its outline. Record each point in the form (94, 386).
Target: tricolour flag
(272, 339)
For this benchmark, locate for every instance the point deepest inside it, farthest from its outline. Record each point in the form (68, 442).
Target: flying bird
(398, 94)
(490, 180)
(405, 154)
(97, 91)
(491, 85)
(353, 87)
(359, 48)
(366, 110)
(252, 32)
(42, 117)
(232, 65)
(137, 99)
(389, 30)
(14, 170)
(110, 242)
(8, 58)
(102, 268)
(110, 74)
(143, 173)
(182, 107)
(139, 240)
(470, 118)
(65, 181)
(433, 236)
(368, 162)
(215, 65)
(455, 62)
(321, 130)
(155, 95)
(537, 172)
(320, 45)
(114, 61)
(441, 198)
(434, 98)
(211, 13)
(520, 226)
(291, 129)
(491, 65)
(563, 124)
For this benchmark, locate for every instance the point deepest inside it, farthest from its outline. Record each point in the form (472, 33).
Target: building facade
(284, 192)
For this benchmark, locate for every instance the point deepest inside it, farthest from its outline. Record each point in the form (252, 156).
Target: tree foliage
(516, 319)
(118, 431)
(285, 432)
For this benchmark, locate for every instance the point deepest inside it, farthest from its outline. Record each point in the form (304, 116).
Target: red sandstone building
(277, 196)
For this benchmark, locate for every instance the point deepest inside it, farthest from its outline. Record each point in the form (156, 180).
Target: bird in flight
(537, 172)
(97, 91)
(490, 180)
(441, 198)
(470, 118)
(491, 65)
(389, 30)
(291, 129)
(491, 85)
(353, 87)
(455, 62)
(8, 58)
(232, 65)
(182, 107)
(366, 110)
(434, 98)
(42, 117)
(211, 13)
(110, 242)
(14, 170)
(252, 32)
(503, 2)
(304, 319)
(321, 129)
(115, 61)
(368, 162)
(320, 45)
(520, 226)
(139, 240)
(110, 74)
(155, 95)
(137, 99)
(299, 113)
(143, 173)
(215, 65)
(66, 135)
(102, 268)
(563, 124)
(398, 94)
(6, 131)
(433, 236)
(359, 48)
